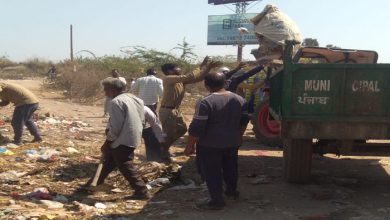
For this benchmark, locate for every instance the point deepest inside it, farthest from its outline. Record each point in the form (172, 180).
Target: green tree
(150, 56)
(187, 51)
(310, 42)
(155, 58)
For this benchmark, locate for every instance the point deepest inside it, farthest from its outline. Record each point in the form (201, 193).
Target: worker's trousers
(218, 165)
(122, 158)
(23, 115)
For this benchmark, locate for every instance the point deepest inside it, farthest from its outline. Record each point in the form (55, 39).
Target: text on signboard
(365, 86)
(317, 85)
(309, 100)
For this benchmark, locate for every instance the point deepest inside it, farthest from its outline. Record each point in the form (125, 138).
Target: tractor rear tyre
(267, 131)
(297, 160)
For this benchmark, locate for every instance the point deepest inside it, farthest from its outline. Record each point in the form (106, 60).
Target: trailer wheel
(267, 131)
(297, 160)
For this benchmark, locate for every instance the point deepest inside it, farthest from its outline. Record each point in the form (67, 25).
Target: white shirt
(148, 88)
(122, 79)
(152, 121)
(126, 121)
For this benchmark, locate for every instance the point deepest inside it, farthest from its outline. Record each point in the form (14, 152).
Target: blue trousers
(23, 115)
(218, 165)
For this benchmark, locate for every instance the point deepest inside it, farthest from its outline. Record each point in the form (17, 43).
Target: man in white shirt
(153, 135)
(149, 89)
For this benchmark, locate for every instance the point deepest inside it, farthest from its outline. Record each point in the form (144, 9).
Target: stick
(98, 172)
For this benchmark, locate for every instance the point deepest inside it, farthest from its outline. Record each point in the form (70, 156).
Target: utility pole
(71, 43)
(240, 12)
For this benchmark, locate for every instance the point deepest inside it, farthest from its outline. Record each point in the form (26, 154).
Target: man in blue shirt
(217, 127)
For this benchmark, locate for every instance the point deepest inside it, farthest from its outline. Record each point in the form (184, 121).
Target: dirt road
(348, 187)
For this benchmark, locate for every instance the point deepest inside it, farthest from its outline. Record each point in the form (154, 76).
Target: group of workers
(215, 133)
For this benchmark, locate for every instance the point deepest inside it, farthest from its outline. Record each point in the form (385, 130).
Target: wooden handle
(97, 175)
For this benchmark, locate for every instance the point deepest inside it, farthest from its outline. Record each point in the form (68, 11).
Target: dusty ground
(349, 187)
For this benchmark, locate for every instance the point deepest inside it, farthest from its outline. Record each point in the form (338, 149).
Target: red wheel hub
(268, 128)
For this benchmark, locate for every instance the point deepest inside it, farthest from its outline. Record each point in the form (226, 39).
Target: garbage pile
(68, 125)
(44, 181)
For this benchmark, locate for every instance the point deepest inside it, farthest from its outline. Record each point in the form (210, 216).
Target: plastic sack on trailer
(273, 28)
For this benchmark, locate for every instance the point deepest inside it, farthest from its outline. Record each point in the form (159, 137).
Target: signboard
(223, 29)
(220, 2)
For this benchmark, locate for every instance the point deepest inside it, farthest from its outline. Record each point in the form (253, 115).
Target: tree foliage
(154, 58)
(310, 42)
(187, 51)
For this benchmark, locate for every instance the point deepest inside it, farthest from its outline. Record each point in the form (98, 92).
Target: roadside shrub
(37, 66)
(14, 72)
(79, 82)
(5, 62)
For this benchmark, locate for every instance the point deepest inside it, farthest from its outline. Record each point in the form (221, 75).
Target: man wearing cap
(114, 74)
(26, 103)
(174, 89)
(123, 135)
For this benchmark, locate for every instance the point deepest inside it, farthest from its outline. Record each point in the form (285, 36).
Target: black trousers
(152, 146)
(122, 158)
(219, 165)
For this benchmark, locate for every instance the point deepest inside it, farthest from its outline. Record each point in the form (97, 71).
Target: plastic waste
(30, 152)
(11, 145)
(52, 121)
(6, 152)
(41, 193)
(52, 204)
(72, 150)
(99, 205)
(85, 209)
(159, 182)
(11, 176)
(47, 154)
